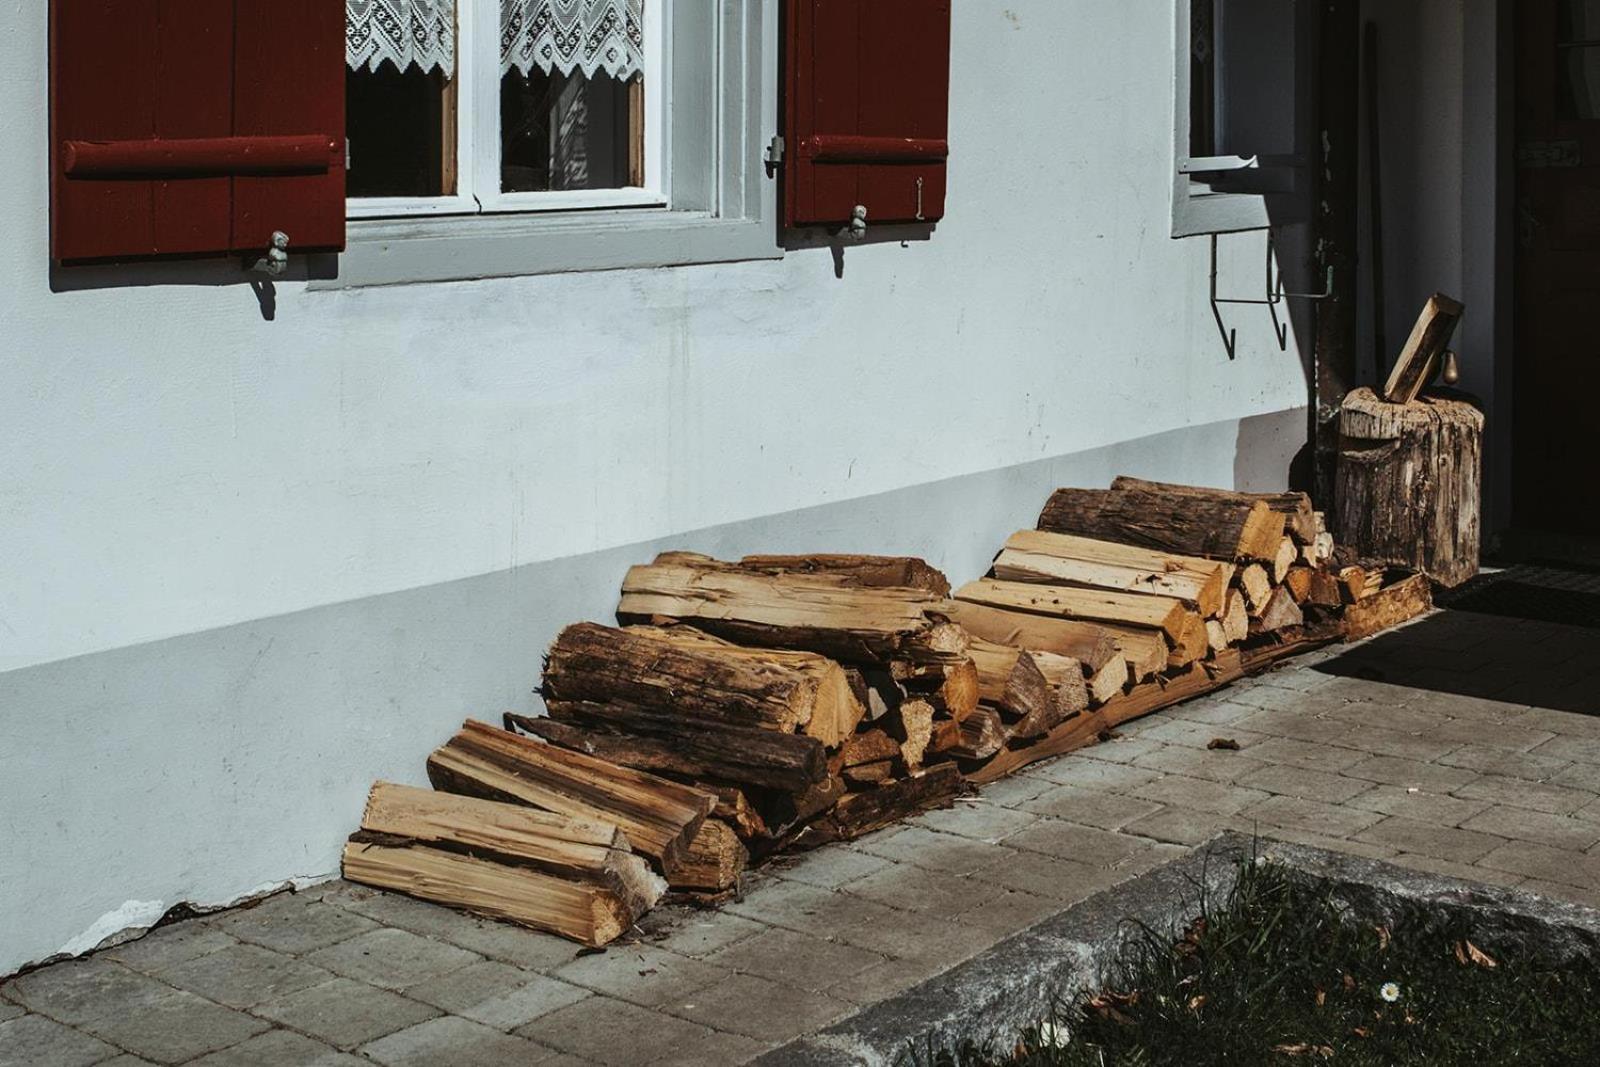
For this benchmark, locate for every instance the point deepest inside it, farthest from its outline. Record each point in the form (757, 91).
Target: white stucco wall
(174, 464)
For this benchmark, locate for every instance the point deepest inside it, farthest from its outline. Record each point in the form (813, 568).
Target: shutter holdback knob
(276, 261)
(858, 224)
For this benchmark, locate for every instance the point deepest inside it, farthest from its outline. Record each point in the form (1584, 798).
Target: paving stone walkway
(1458, 744)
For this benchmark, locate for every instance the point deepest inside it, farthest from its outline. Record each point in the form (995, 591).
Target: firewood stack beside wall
(778, 702)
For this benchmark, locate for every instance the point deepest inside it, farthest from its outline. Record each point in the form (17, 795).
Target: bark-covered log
(713, 862)
(1388, 607)
(1410, 483)
(871, 571)
(1299, 519)
(861, 813)
(1217, 528)
(662, 741)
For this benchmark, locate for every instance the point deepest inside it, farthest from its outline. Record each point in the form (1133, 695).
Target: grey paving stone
(168, 945)
(1518, 793)
(1195, 735)
(886, 979)
(176, 1028)
(1487, 759)
(792, 905)
(1090, 807)
(473, 984)
(1011, 792)
(1510, 736)
(1299, 753)
(9, 1010)
(921, 847)
(640, 974)
(124, 1060)
(1202, 795)
(293, 924)
(802, 960)
(495, 940)
(1081, 844)
(1215, 765)
(1585, 776)
(519, 1006)
(980, 821)
(624, 1035)
(1569, 725)
(762, 1009)
(345, 1013)
(279, 1048)
(1063, 881)
(1311, 815)
(1297, 836)
(1418, 805)
(1212, 712)
(914, 889)
(910, 935)
(34, 1041)
(1005, 913)
(699, 933)
(1406, 835)
(1584, 749)
(1095, 773)
(1587, 896)
(1409, 774)
(391, 958)
(1545, 864)
(453, 1042)
(77, 991)
(1117, 750)
(1304, 783)
(1466, 871)
(1384, 717)
(831, 867)
(1521, 824)
(1179, 825)
(1395, 743)
(242, 976)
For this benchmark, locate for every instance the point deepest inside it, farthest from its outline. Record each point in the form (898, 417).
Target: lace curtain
(403, 32)
(553, 35)
(568, 35)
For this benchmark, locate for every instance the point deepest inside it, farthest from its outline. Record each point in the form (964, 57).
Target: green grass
(1282, 973)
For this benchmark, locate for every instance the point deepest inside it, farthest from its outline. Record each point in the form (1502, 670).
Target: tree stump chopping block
(1410, 482)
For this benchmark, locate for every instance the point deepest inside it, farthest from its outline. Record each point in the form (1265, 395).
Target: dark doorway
(1556, 362)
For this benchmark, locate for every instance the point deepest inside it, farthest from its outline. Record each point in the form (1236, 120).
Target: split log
(577, 850)
(1298, 582)
(1298, 517)
(1257, 587)
(1324, 589)
(1410, 483)
(912, 725)
(869, 746)
(1420, 358)
(1037, 689)
(944, 736)
(1280, 613)
(693, 748)
(872, 571)
(692, 675)
(714, 861)
(1088, 643)
(861, 813)
(659, 816)
(1236, 618)
(871, 774)
(1216, 636)
(577, 910)
(734, 808)
(1145, 651)
(811, 612)
(1108, 681)
(952, 688)
(1168, 521)
(784, 811)
(1061, 559)
(1192, 644)
(1288, 552)
(982, 735)
(1094, 605)
(1390, 606)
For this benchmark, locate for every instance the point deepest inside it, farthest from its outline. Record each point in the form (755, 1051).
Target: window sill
(461, 248)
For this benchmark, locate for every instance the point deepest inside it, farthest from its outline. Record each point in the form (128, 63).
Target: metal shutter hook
(858, 224)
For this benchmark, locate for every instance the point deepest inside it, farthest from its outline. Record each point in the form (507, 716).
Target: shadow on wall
(211, 272)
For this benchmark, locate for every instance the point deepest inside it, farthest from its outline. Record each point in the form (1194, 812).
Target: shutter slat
(193, 71)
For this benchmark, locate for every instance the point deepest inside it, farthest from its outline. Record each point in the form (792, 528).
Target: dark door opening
(1556, 361)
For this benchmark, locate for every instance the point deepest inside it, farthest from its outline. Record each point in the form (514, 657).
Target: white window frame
(715, 106)
(1196, 209)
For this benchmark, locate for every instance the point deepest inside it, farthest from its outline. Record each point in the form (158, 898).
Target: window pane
(568, 131)
(401, 126)
(1578, 20)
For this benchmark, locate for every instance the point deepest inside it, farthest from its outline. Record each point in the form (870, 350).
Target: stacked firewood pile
(743, 708)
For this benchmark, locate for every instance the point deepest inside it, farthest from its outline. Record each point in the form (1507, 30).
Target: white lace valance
(568, 35)
(404, 32)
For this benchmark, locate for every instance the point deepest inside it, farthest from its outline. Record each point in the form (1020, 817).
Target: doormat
(1529, 591)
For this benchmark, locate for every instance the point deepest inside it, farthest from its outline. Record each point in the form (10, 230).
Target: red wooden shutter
(866, 111)
(194, 127)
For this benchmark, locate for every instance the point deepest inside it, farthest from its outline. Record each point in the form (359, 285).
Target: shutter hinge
(774, 154)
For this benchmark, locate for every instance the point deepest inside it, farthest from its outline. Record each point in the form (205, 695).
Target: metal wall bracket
(1275, 294)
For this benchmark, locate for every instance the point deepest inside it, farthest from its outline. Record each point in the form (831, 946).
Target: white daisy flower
(1389, 991)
